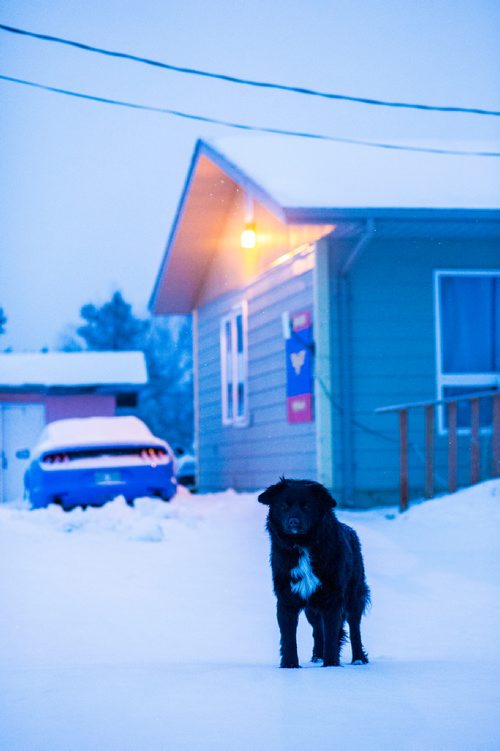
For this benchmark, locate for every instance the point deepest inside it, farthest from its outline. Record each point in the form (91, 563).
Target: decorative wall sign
(299, 362)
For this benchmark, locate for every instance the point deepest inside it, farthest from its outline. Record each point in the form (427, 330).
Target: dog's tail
(342, 637)
(367, 596)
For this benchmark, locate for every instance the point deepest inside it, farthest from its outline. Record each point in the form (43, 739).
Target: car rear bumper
(70, 488)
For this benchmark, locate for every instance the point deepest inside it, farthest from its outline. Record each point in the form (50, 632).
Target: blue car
(89, 461)
(186, 470)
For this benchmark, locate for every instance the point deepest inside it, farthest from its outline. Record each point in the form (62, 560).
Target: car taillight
(155, 456)
(56, 458)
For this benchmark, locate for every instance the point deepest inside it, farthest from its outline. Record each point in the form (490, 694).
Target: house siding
(251, 457)
(393, 360)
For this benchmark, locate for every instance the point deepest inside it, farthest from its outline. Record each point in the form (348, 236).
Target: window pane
(469, 324)
(229, 352)
(496, 323)
(240, 408)
(241, 399)
(234, 363)
(240, 386)
(229, 369)
(239, 331)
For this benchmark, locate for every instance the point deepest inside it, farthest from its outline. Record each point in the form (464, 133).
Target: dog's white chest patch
(304, 581)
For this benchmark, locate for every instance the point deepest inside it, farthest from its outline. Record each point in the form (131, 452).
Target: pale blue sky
(88, 191)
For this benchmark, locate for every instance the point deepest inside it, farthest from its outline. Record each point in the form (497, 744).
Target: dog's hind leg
(332, 630)
(359, 656)
(316, 622)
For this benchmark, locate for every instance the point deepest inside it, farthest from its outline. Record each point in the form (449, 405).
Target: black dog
(317, 565)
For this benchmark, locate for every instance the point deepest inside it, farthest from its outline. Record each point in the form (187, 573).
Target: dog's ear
(268, 496)
(323, 494)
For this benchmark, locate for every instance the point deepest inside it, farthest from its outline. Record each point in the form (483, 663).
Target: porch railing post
(451, 406)
(452, 447)
(495, 436)
(474, 441)
(403, 460)
(429, 450)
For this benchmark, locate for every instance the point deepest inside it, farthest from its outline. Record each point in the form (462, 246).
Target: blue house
(327, 281)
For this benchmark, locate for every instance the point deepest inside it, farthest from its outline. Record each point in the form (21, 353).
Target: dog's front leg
(288, 618)
(332, 630)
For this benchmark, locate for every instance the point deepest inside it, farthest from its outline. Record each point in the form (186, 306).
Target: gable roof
(314, 182)
(72, 370)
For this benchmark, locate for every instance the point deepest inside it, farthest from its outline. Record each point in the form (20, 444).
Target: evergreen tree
(113, 326)
(166, 403)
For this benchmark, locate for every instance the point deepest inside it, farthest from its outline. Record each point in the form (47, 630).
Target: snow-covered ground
(153, 629)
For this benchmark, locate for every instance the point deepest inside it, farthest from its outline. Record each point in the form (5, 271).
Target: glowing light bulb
(249, 236)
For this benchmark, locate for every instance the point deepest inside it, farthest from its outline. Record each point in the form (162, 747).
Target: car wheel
(37, 501)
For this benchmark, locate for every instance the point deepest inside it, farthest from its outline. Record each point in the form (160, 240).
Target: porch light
(249, 236)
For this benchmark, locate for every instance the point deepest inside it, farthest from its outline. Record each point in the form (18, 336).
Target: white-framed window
(234, 366)
(467, 339)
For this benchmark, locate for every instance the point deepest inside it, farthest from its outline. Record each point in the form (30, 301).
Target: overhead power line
(243, 126)
(247, 81)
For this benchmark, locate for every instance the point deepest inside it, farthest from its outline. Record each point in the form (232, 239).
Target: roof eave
(325, 215)
(175, 225)
(62, 389)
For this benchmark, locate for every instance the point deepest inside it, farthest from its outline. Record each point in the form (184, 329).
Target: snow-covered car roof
(95, 431)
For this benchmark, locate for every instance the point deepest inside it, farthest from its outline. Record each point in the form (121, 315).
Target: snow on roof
(318, 174)
(72, 369)
(95, 431)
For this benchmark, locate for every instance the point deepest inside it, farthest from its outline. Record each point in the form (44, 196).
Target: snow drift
(154, 627)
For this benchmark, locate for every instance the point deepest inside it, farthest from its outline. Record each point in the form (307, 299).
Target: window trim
(231, 317)
(458, 379)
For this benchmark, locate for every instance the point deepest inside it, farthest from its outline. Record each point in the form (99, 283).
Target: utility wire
(253, 128)
(247, 81)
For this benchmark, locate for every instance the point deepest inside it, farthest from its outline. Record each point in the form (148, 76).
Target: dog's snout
(293, 524)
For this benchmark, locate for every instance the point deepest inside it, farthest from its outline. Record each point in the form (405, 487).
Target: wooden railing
(451, 406)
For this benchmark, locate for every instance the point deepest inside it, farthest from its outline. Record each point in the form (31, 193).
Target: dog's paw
(331, 663)
(360, 660)
(289, 664)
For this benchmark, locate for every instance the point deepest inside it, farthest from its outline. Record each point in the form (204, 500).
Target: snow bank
(146, 521)
(154, 627)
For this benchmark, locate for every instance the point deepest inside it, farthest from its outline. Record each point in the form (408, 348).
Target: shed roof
(42, 370)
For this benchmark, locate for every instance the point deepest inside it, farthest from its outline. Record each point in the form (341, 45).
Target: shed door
(20, 426)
